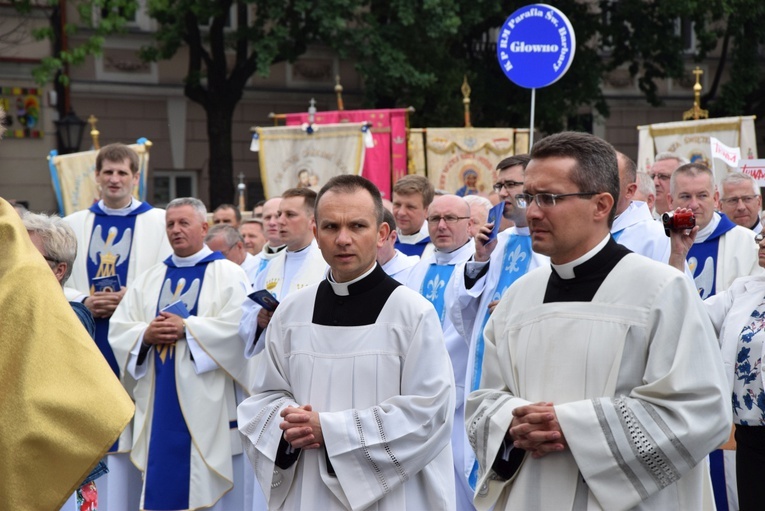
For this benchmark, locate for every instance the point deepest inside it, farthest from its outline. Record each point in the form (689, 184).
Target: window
(685, 29)
(139, 20)
(171, 184)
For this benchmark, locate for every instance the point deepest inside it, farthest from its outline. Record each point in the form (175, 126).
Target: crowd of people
(335, 350)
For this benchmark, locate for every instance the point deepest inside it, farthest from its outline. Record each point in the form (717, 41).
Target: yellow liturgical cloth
(61, 405)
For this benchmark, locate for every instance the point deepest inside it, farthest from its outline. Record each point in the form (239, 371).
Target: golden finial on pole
(696, 112)
(466, 101)
(94, 133)
(339, 92)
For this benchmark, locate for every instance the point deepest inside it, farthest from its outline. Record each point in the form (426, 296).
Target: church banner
(463, 160)
(74, 177)
(295, 157)
(693, 141)
(386, 161)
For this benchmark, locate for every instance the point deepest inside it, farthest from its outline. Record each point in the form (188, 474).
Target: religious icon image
(470, 183)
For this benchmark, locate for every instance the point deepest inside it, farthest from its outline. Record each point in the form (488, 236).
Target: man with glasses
(717, 257)
(741, 200)
(661, 170)
(486, 275)
(602, 385)
(228, 241)
(448, 222)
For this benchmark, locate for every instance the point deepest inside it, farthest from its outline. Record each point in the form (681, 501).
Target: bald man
(449, 223)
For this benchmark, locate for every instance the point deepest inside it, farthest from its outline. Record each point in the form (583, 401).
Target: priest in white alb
(175, 333)
(602, 385)
(354, 396)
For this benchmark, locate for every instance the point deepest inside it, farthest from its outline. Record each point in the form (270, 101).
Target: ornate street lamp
(69, 131)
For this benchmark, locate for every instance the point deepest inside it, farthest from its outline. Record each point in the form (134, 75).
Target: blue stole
(168, 470)
(412, 249)
(515, 263)
(702, 259)
(434, 286)
(109, 254)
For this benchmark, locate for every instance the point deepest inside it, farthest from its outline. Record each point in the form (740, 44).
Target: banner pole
(531, 127)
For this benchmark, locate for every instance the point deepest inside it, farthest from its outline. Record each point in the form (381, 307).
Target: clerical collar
(343, 288)
(707, 231)
(134, 204)
(411, 239)
(192, 259)
(566, 271)
(300, 249)
(274, 250)
(438, 251)
(756, 224)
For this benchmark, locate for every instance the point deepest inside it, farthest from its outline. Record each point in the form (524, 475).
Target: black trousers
(750, 466)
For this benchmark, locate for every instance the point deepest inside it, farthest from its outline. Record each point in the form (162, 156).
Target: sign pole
(535, 48)
(531, 126)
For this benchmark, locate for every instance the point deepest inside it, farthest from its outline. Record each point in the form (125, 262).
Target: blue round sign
(536, 46)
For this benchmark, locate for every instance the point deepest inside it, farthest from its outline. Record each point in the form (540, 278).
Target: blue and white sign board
(536, 46)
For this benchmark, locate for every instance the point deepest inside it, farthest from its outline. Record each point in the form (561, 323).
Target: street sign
(535, 46)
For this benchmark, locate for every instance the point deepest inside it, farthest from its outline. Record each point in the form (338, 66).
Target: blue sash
(412, 249)
(702, 259)
(109, 254)
(434, 286)
(515, 263)
(262, 264)
(168, 470)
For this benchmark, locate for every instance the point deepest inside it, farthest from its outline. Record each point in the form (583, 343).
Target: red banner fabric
(387, 159)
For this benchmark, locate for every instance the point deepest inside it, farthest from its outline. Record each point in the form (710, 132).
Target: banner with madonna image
(462, 161)
(73, 177)
(694, 140)
(308, 156)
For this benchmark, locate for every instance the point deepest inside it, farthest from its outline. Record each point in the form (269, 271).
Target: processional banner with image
(693, 141)
(462, 161)
(386, 161)
(74, 177)
(295, 157)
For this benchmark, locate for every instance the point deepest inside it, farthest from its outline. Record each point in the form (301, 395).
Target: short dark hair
(512, 161)
(596, 168)
(630, 167)
(349, 183)
(389, 219)
(237, 213)
(309, 197)
(117, 153)
(414, 184)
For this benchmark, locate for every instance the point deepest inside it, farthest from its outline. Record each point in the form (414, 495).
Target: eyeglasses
(449, 219)
(733, 201)
(758, 239)
(506, 185)
(546, 200)
(663, 177)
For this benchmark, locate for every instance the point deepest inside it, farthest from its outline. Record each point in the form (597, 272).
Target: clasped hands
(302, 428)
(535, 428)
(164, 329)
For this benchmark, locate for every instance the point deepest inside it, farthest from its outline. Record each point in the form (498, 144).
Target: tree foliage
(416, 52)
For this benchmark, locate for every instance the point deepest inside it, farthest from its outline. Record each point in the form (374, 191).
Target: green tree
(220, 59)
